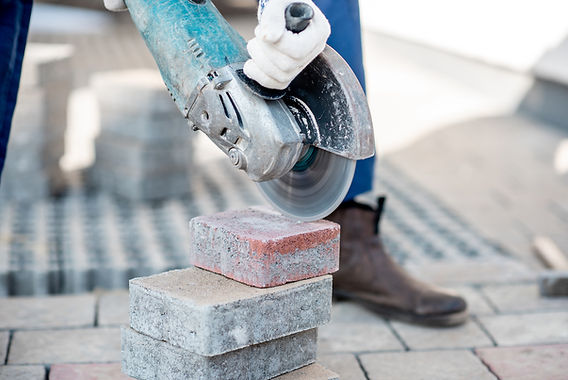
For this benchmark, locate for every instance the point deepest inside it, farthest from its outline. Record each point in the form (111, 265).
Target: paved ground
(504, 338)
(464, 219)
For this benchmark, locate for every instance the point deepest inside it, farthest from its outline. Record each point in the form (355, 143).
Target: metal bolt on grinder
(299, 144)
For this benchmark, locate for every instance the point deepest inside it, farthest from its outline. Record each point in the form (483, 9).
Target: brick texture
(262, 248)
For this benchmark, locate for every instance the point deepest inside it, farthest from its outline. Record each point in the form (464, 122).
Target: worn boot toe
(441, 308)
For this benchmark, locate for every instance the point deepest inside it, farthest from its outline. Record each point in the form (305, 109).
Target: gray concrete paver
(93, 345)
(425, 365)
(345, 365)
(356, 337)
(113, 308)
(348, 311)
(4, 340)
(47, 312)
(22, 372)
(522, 297)
(148, 358)
(537, 328)
(467, 335)
(354, 329)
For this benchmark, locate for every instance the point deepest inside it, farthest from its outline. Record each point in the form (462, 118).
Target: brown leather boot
(369, 275)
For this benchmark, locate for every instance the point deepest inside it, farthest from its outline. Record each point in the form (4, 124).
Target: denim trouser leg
(343, 15)
(14, 22)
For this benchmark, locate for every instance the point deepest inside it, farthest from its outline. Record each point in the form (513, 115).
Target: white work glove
(115, 5)
(279, 55)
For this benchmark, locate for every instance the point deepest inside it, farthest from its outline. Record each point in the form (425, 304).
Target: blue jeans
(343, 16)
(14, 22)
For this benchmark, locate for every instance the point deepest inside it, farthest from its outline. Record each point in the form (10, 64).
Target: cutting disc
(313, 188)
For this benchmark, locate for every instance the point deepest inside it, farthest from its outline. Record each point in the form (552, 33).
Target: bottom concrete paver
(345, 365)
(4, 340)
(113, 308)
(526, 329)
(146, 358)
(93, 345)
(522, 297)
(428, 365)
(355, 329)
(310, 372)
(467, 335)
(527, 362)
(106, 371)
(22, 372)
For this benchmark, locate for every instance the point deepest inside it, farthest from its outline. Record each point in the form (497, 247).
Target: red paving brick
(262, 248)
(87, 372)
(527, 362)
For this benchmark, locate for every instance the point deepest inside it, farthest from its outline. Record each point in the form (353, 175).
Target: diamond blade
(313, 189)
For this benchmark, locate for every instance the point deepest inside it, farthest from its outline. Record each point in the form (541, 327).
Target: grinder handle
(298, 16)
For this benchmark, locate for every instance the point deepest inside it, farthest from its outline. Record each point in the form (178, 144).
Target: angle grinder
(300, 144)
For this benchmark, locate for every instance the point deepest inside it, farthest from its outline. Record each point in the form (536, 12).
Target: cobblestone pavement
(70, 335)
(88, 239)
(509, 190)
(469, 231)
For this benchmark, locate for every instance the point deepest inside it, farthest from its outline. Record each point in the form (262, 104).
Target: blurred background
(469, 102)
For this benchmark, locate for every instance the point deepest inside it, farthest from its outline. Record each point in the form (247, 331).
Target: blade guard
(339, 118)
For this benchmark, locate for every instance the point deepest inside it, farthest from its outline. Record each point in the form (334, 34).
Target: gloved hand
(279, 55)
(115, 5)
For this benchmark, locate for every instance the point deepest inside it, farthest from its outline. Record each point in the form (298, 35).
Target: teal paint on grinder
(187, 41)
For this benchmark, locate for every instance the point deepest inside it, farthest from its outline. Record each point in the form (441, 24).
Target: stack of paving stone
(143, 151)
(37, 139)
(255, 318)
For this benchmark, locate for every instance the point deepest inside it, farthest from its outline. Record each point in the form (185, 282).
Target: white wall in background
(514, 34)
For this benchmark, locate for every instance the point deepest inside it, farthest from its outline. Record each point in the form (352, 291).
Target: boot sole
(435, 320)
